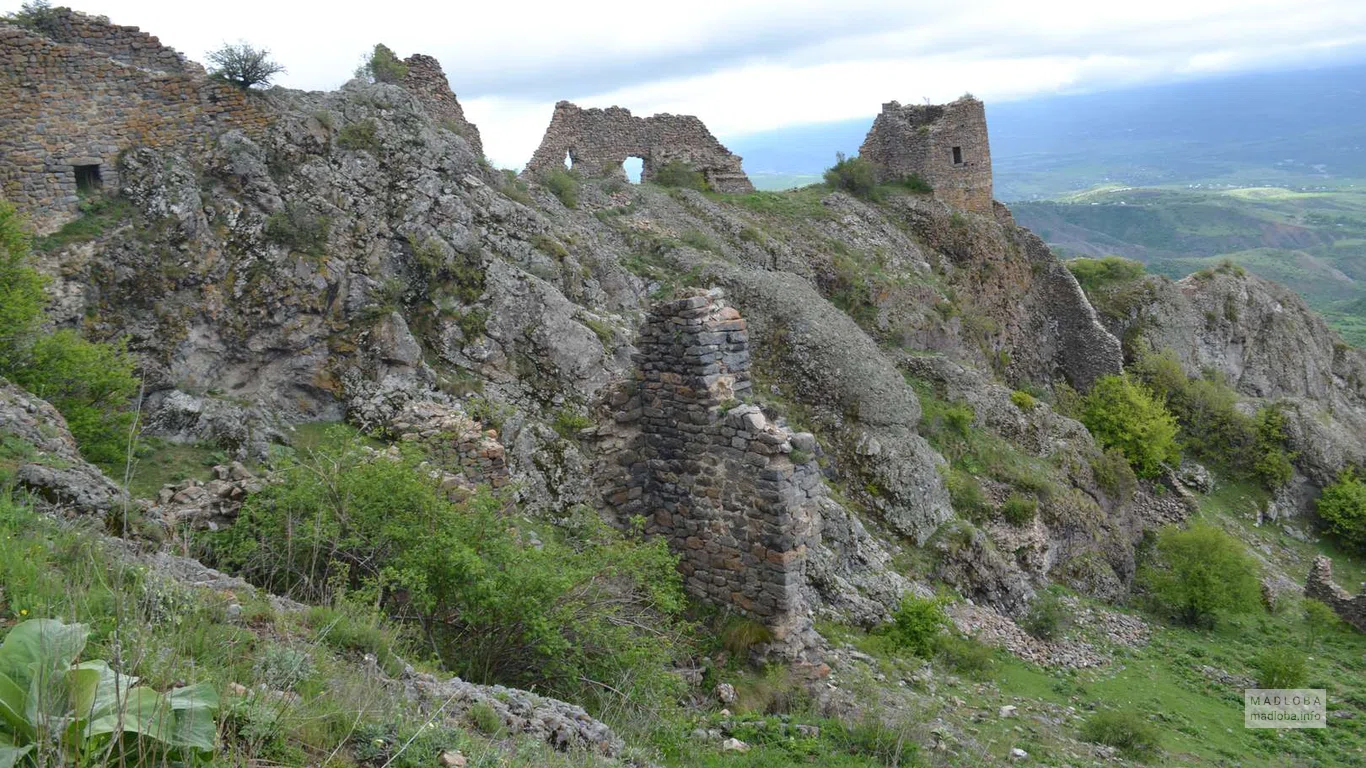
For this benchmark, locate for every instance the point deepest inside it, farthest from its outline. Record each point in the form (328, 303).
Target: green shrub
(22, 292)
(965, 493)
(549, 246)
(243, 65)
(486, 719)
(564, 184)
(966, 656)
(298, 228)
(917, 625)
(914, 183)
(1124, 414)
(56, 711)
(283, 668)
(1019, 509)
(741, 634)
(383, 66)
(1281, 667)
(1023, 400)
(362, 134)
(1127, 731)
(91, 384)
(890, 744)
(854, 175)
(1048, 617)
(1094, 274)
(1342, 507)
(568, 423)
(580, 620)
(1319, 620)
(1113, 474)
(1199, 573)
(677, 173)
(1273, 466)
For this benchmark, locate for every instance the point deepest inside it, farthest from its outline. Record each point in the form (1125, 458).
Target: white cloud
(748, 65)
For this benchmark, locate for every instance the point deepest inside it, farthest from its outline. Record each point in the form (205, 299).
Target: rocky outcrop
(1320, 586)
(38, 452)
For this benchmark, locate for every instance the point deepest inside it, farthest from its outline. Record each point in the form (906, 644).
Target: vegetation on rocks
(1198, 574)
(1342, 506)
(243, 65)
(1124, 415)
(382, 66)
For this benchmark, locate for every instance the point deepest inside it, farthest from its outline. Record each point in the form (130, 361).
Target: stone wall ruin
(1321, 586)
(944, 144)
(82, 90)
(428, 82)
(733, 493)
(598, 141)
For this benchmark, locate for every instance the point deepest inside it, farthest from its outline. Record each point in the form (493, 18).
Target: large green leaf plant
(55, 710)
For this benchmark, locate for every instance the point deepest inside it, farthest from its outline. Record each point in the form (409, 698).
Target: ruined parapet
(598, 141)
(944, 144)
(1320, 586)
(734, 494)
(72, 107)
(428, 82)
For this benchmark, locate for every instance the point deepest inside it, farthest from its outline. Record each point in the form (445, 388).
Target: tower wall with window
(944, 144)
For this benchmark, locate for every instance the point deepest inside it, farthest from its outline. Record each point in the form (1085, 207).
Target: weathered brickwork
(1320, 586)
(74, 101)
(598, 141)
(944, 144)
(429, 83)
(735, 494)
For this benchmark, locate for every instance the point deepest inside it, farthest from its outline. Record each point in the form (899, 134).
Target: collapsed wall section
(72, 107)
(735, 495)
(428, 82)
(598, 141)
(944, 144)
(1321, 587)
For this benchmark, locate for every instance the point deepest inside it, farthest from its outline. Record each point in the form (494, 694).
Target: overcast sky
(752, 65)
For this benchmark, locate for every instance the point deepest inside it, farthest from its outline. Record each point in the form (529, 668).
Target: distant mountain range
(1298, 129)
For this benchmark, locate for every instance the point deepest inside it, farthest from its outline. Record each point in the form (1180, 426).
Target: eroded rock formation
(598, 141)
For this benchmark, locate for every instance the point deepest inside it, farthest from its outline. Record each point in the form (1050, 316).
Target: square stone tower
(944, 144)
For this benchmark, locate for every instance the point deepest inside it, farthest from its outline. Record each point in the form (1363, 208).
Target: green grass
(801, 204)
(98, 214)
(161, 463)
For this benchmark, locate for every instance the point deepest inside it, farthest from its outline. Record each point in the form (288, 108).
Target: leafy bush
(1127, 731)
(677, 173)
(55, 711)
(1048, 617)
(1114, 475)
(243, 65)
(1281, 667)
(1023, 400)
(1094, 274)
(382, 66)
(1124, 414)
(915, 183)
(38, 15)
(298, 228)
(966, 655)
(362, 134)
(22, 294)
(917, 625)
(564, 184)
(1199, 573)
(1319, 620)
(1019, 509)
(1342, 507)
(581, 620)
(90, 384)
(1272, 466)
(854, 175)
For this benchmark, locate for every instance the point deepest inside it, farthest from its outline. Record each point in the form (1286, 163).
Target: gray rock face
(42, 455)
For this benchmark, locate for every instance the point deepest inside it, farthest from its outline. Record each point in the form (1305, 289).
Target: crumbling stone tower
(426, 81)
(81, 91)
(734, 494)
(944, 144)
(598, 141)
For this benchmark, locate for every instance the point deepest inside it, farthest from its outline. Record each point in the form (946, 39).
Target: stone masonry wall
(734, 494)
(598, 141)
(921, 139)
(426, 79)
(71, 104)
(1320, 586)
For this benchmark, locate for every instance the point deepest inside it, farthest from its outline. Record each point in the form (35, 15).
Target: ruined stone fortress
(735, 495)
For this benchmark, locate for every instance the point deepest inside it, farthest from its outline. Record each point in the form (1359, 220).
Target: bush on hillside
(1281, 667)
(1198, 574)
(581, 615)
(382, 66)
(1342, 507)
(854, 175)
(1047, 618)
(1123, 414)
(677, 173)
(564, 185)
(917, 625)
(243, 65)
(1094, 274)
(89, 383)
(1127, 731)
